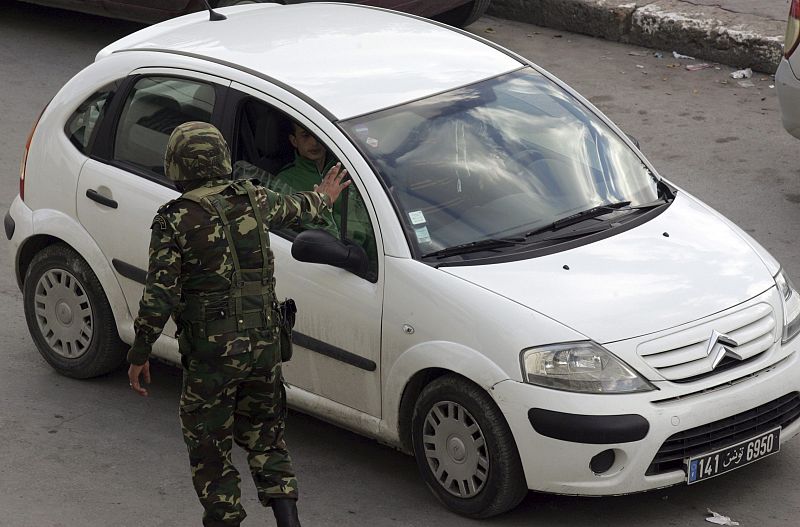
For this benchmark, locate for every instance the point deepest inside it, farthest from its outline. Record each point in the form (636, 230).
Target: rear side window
(155, 106)
(82, 125)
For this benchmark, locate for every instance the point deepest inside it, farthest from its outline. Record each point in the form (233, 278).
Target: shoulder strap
(219, 206)
(199, 193)
(263, 241)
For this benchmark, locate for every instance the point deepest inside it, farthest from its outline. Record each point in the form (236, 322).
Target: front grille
(725, 432)
(683, 356)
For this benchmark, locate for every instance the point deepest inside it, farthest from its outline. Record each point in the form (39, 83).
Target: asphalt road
(90, 453)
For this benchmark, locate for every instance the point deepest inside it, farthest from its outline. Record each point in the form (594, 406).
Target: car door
(123, 184)
(338, 331)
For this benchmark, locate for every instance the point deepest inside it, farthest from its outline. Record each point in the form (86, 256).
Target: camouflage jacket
(189, 253)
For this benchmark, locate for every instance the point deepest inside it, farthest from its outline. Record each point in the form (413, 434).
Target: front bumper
(563, 466)
(788, 86)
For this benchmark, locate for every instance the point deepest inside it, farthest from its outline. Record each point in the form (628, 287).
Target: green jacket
(189, 255)
(302, 175)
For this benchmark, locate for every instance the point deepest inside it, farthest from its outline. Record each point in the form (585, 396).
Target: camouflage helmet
(196, 150)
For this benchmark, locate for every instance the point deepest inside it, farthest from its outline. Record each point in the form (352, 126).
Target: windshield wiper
(594, 212)
(500, 243)
(477, 246)
(650, 204)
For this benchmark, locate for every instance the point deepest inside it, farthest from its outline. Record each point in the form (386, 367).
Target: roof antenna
(213, 15)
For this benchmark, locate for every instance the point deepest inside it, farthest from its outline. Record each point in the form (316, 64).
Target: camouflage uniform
(223, 303)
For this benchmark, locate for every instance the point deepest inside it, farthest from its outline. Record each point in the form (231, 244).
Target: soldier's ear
(293, 140)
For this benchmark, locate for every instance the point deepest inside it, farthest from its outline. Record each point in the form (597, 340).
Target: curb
(710, 33)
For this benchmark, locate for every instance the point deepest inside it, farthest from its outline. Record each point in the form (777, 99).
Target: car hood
(682, 265)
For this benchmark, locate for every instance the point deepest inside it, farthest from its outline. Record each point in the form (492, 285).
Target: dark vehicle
(458, 13)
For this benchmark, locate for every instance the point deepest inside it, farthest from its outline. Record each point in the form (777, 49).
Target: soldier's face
(307, 145)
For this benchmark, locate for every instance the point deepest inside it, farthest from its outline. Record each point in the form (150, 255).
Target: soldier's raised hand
(333, 183)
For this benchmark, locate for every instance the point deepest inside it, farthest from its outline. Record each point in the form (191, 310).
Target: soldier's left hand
(333, 183)
(134, 372)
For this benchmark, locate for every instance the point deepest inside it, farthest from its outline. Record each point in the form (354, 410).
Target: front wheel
(466, 14)
(68, 315)
(464, 449)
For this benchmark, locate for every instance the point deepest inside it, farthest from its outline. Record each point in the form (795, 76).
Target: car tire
(464, 15)
(464, 449)
(69, 316)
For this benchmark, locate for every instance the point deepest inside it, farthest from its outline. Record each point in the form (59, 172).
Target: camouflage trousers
(237, 398)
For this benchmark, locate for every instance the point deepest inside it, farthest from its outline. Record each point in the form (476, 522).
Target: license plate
(729, 458)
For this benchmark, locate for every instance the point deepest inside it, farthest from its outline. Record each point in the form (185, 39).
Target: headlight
(791, 306)
(581, 367)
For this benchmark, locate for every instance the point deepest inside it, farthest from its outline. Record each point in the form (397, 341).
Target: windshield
(497, 159)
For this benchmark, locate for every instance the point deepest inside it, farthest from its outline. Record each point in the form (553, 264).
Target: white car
(542, 310)
(787, 78)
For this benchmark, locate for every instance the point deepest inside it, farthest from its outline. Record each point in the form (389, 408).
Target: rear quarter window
(84, 122)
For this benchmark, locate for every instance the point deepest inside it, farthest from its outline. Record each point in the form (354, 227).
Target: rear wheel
(464, 449)
(68, 315)
(466, 14)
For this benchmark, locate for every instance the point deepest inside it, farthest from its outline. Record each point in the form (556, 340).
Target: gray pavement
(741, 33)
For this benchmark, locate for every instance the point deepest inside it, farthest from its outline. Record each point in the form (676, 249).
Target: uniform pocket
(192, 423)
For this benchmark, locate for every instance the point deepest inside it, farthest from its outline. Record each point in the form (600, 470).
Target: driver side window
(285, 157)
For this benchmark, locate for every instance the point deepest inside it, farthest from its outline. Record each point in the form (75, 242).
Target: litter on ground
(719, 519)
(698, 67)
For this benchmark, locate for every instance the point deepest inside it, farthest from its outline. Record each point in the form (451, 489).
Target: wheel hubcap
(455, 448)
(64, 313)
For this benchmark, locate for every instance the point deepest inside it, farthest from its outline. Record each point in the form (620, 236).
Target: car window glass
(497, 159)
(263, 151)
(155, 106)
(82, 124)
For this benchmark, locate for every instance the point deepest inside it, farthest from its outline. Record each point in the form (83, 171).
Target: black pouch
(286, 317)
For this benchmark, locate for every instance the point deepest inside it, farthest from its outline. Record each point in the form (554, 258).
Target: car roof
(349, 59)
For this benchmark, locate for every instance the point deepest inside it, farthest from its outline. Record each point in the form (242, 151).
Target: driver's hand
(333, 183)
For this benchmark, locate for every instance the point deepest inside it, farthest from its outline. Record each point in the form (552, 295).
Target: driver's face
(306, 144)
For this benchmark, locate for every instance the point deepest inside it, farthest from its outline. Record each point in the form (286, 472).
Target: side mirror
(317, 246)
(634, 141)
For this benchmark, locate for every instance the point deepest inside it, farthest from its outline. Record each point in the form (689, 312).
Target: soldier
(211, 268)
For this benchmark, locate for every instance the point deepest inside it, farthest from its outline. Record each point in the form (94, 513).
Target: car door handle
(93, 195)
